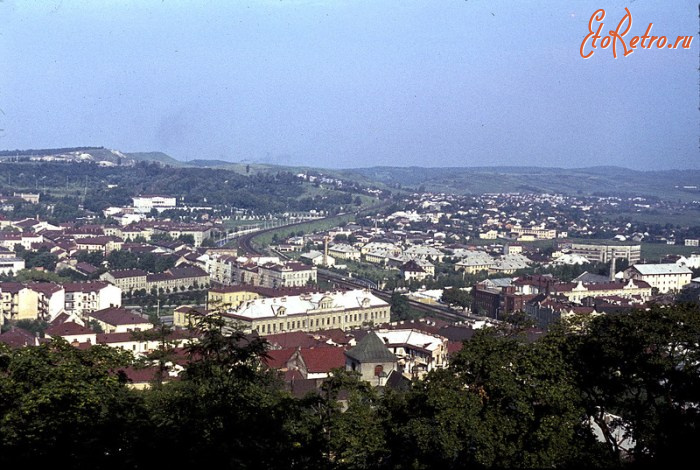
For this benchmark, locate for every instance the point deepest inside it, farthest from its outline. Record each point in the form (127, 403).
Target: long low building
(604, 252)
(309, 312)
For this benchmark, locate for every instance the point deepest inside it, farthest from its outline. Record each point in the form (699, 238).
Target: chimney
(612, 268)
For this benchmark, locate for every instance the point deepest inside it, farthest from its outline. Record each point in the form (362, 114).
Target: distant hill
(607, 180)
(159, 157)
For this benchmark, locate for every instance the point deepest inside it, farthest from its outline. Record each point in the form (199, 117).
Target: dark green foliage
(94, 258)
(644, 368)
(503, 402)
(59, 403)
(457, 297)
(400, 308)
(41, 258)
(149, 262)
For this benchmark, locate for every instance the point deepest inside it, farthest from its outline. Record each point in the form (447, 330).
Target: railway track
(245, 242)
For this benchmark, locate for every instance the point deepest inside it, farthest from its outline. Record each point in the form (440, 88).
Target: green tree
(186, 238)
(458, 297)
(61, 403)
(400, 308)
(503, 402)
(643, 368)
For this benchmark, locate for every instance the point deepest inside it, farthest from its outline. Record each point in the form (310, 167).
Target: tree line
(506, 400)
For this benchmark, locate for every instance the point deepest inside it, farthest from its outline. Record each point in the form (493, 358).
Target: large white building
(668, 277)
(310, 312)
(145, 203)
(85, 297)
(417, 352)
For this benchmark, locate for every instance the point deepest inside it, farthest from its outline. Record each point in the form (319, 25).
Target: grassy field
(309, 227)
(651, 252)
(688, 218)
(656, 251)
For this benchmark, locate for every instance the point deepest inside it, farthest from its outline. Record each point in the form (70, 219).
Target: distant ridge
(159, 157)
(597, 180)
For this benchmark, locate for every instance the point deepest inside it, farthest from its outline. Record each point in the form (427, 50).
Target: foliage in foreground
(504, 402)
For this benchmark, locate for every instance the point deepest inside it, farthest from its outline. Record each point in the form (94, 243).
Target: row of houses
(268, 272)
(46, 301)
(178, 278)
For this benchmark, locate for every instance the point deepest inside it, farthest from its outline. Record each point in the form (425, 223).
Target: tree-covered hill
(100, 187)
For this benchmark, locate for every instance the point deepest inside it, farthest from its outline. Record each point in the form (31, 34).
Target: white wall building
(145, 203)
(668, 277)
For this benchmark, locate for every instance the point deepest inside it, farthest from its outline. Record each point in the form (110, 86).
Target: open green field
(656, 251)
(265, 239)
(689, 218)
(651, 252)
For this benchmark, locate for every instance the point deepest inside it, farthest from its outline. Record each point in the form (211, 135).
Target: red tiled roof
(110, 338)
(277, 358)
(86, 268)
(118, 316)
(321, 360)
(46, 288)
(18, 338)
(126, 273)
(68, 329)
(11, 287)
(293, 339)
(85, 286)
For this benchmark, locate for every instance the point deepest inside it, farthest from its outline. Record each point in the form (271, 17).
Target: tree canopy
(506, 400)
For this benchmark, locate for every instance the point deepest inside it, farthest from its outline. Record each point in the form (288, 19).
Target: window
(378, 370)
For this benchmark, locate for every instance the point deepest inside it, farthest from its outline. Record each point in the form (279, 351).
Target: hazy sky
(341, 83)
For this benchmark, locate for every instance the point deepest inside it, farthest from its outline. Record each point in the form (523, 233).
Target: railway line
(245, 242)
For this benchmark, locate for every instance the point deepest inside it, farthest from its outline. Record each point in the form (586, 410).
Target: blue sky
(351, 83)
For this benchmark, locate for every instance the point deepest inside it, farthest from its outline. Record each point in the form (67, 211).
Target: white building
(86, 297)
(318, 259)
(11, 264)
(417, 352)
(668, 277)
(145, 203)
(310, 312)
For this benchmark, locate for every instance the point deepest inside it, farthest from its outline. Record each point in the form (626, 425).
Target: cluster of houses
(547, 299)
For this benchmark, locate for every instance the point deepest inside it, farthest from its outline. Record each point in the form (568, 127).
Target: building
(345, 251)
(475, 262)
(668, 277)
(290, 274)
(187, 316)
(604, 253)
(317, 258)
(371, 359)
(309, 312)
(30, 301)
(576, 292)
(10, 262)
(119, 320)
(417, 270)
(230, 297)
(86, 297)
(221, 268)
(417, 352)
(18, 302)
(198, 232)
(539, 233)
(180, 278)
(102, 244)
(128, 280)
(72, 332)
(145, 203)
(8, 240)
